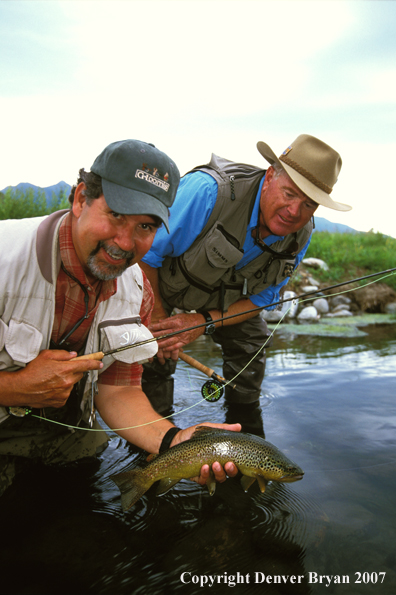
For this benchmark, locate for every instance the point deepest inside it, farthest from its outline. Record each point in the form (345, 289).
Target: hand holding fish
(220, 473)
(255, 458)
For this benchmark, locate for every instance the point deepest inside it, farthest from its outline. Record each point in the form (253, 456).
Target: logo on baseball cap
(137, 179)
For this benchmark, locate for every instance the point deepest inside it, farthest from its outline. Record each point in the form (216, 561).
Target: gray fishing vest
(205, 276)
(30, 263)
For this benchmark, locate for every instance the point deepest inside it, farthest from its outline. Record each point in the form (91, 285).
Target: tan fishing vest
(205, 275)
(30, 262)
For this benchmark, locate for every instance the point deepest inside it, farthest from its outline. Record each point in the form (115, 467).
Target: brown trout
(255, 458)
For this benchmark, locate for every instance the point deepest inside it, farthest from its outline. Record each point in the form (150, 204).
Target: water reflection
(328, 404)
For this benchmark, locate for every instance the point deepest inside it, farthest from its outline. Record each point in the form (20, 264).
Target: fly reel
(212, 391)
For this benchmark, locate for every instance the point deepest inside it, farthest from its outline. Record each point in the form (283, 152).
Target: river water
(329, 404)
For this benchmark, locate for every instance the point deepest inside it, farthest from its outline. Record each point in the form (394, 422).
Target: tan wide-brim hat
(312, 165)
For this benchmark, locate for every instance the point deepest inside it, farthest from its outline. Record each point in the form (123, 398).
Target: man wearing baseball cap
(237, 233)
(71, 286)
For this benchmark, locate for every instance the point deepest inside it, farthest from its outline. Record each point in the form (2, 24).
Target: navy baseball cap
(137, 179)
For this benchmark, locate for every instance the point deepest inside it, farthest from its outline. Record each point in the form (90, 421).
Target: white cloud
(219, 57)
(200, 77)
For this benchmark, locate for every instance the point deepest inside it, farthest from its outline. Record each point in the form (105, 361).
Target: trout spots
(254, 457)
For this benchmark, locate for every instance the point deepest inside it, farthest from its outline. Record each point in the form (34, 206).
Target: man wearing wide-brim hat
(237, 233)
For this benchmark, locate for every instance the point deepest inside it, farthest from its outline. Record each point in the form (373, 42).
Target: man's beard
(105, 271)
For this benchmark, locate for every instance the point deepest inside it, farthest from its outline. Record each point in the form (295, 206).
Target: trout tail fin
(132, 485)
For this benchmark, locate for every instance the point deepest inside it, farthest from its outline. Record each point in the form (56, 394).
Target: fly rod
(100, 354)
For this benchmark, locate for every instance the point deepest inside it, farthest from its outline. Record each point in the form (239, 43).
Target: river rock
(341, 307)
(291, 307)
(321, 305)
(312, 281)
(373, 298)
(271, 315)
(337, 300)
(308, 314)
(316, 263)
(287, 308)
(309, 288)
(390, 308)
(339, 314)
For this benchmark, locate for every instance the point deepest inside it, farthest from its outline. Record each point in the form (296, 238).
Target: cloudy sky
(202, 77)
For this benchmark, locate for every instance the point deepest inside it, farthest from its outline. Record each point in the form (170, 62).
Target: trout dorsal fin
(205, 431)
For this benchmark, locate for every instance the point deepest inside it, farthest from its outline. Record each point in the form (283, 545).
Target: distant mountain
(320, 223)
(48, 190)
(324, 225)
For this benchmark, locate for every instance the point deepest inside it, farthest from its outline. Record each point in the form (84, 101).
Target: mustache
(113, 251)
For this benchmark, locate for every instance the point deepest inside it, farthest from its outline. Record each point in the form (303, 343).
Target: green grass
(350, 256)
(15, 204)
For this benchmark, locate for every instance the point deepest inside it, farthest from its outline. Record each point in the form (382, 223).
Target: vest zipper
(232, 178)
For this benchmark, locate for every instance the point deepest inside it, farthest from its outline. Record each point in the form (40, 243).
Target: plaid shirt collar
(72, 264)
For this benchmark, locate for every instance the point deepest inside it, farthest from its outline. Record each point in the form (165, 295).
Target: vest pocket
(21, 341)
(277, 271)
(286, 269)
(115, 334)
(213, 256)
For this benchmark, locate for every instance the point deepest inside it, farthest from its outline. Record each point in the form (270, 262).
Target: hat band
(306, 174)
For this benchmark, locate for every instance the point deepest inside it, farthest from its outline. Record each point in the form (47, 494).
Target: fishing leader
(237, 233)
(71, 285)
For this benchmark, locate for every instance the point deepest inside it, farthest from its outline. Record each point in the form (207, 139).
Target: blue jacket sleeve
(194, 202)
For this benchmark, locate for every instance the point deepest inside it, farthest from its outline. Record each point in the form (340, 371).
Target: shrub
(352, 255)
(18, 204)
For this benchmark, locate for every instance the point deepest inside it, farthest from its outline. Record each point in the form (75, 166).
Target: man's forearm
(128, 407)
(127, 411)
(241, 307)
(11, 394)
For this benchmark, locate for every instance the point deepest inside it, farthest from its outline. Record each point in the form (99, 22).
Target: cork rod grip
(196, 364)
(99, 355)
